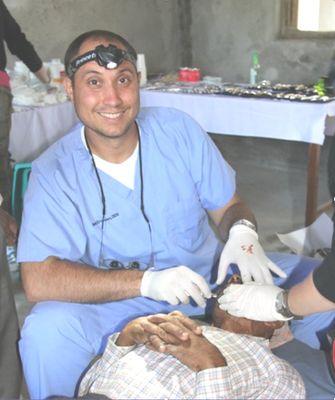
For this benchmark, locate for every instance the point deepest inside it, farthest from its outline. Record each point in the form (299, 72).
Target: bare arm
(43, 75)
(304, 298)
(235, 210)
(62, 280)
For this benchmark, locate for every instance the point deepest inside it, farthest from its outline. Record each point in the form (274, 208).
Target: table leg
(312, 183)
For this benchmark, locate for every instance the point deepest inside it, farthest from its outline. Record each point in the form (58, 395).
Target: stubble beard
(111, 138)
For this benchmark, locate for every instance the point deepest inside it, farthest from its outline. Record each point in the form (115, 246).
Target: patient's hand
(176, 330)
(197, 352)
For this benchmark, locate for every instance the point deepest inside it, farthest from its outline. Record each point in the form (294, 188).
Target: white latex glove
(175, 285)
(244, 249)
(252, 300)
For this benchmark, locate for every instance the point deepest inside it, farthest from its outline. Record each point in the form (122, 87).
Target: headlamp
(109, 57)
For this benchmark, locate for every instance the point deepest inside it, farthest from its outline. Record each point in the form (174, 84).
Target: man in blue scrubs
(116, 219)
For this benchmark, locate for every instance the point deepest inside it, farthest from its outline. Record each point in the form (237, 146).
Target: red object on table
(189, 75)
(194, 75)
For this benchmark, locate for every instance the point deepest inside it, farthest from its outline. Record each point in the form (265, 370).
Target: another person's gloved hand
(175, 285)
(252, 300)
(244, 249)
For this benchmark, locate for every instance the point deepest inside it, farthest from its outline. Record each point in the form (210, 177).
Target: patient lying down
(172, 357)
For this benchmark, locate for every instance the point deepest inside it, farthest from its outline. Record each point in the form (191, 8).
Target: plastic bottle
(254, 70)
(141, 67)
(55, 68)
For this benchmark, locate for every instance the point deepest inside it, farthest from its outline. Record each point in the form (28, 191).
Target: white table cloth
(238, 116)
(34, 130)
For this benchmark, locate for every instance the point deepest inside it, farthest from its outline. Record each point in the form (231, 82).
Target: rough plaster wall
(152, 26)
(225, 32)
(185, 23)
(216, 35)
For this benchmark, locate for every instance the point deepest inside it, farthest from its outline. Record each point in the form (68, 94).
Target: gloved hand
(244, 249)
(175, 285)
(252, 300)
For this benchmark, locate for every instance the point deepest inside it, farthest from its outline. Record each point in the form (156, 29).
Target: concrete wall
(216, 35)
(152, 26)
(225, 32)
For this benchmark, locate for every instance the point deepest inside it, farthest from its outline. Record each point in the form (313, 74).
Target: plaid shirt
(252, 372)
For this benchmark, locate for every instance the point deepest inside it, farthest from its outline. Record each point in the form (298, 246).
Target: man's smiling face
(106, 101)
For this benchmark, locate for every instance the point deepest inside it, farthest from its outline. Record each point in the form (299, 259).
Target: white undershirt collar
(122, 172)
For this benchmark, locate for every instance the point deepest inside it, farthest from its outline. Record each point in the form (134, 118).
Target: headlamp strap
(109, 57)
(84, 58)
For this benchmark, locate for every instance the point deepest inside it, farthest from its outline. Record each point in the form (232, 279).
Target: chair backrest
(21, 172)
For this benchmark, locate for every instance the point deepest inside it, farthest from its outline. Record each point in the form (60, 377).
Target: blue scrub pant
(312, 366)
(58, 339)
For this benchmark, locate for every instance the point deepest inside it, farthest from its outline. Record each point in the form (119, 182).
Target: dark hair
(74, 47)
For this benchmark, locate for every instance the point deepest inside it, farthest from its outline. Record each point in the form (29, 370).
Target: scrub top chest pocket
(185, 223)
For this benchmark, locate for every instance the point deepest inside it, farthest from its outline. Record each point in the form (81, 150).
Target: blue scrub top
(184, 174)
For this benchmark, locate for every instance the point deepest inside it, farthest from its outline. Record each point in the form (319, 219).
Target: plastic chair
(21, 172)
